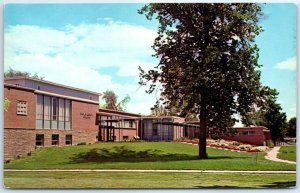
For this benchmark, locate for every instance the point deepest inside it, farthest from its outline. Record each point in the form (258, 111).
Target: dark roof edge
(52, 83)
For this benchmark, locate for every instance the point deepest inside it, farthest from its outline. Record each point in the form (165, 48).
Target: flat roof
(49, 93)
(160, 117)
(111, 112)
(52, 83)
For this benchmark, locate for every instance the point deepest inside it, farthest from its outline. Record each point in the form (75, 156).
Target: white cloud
(288, 64)
(75, 55)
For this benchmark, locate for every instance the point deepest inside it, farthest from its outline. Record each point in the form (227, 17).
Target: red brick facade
(256, 135)
(20, 130)
(84, 122)
(11, 119)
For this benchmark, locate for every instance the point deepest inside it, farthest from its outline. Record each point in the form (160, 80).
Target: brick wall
(84, 126)
(257, 139)
(18, 142)
(11, 119)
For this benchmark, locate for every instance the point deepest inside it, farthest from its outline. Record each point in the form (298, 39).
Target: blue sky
(99, 46)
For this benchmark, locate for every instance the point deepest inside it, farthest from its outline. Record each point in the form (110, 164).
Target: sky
(100, 46)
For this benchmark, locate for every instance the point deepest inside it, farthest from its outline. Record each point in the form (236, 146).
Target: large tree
(208, 60)
(111, 101)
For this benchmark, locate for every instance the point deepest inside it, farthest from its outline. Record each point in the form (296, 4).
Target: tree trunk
(203, 123)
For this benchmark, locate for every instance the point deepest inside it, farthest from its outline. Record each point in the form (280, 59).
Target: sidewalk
(272, 155)
(153, 171)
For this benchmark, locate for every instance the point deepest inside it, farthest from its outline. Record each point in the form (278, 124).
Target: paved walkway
(272, 155)
(153, 171)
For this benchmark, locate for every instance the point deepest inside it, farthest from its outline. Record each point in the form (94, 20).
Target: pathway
(152, 171)
(272, 155)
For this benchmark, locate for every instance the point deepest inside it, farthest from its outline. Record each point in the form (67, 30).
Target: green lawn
(287, 153)
(145, 180)
(143, 155)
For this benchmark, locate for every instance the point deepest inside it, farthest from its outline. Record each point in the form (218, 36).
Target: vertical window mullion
(51, 103)
(64, 114)
(43, 113)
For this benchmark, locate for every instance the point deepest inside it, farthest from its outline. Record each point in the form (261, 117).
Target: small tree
(208, 60)
(6, 104)
(12, 73)
(292, 127)
(111, 101)
(269, 115)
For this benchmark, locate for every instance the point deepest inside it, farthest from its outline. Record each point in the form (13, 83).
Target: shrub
(236, 143)
(270, 143)
(82, 143)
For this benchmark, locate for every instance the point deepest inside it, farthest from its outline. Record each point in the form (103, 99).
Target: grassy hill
(143, 155)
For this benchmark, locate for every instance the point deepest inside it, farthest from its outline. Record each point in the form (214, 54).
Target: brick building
(257, 135)
(43, 113)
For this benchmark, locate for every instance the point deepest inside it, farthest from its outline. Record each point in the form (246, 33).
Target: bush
(270, 143)
(235, 143)
(82, 143)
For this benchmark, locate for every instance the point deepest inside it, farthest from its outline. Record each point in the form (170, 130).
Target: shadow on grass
(123, 154)
(288, 184)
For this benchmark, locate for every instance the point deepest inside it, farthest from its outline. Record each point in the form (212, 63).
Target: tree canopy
(111, 101)
(12, 73)
(208, 60)
(292, 127)
(270, 115)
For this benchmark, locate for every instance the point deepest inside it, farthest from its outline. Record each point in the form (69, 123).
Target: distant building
(257, 135)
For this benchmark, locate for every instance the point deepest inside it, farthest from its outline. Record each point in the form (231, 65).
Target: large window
(53, 113)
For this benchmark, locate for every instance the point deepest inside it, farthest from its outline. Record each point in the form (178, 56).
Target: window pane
(55, 139)
(68, 139)
(39, 140)
(39, 107)
(61, 111)
(54, 108)
(68, 110)
(46, 108)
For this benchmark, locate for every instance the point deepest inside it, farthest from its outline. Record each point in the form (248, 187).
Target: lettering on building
(86, 115)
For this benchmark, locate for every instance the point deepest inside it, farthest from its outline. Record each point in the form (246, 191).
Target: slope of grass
(145, 180)
(143, 155)
(287, 153)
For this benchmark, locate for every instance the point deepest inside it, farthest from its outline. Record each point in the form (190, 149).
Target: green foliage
(292, 127)
(111, 101)
(12, 73)
(270, 144)
(81, 143)
(6, 104)
(208, 60)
